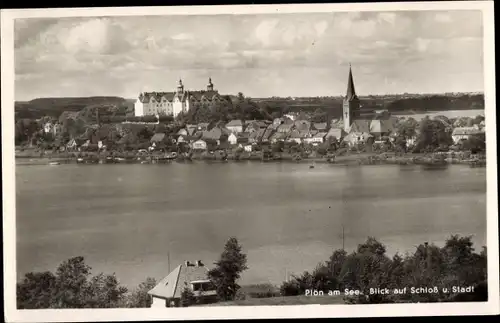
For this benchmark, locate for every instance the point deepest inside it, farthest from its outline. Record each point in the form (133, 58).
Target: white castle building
(173, 103)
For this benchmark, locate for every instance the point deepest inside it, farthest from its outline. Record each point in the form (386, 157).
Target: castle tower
(350, 106)
(180, 87)
(210, 86)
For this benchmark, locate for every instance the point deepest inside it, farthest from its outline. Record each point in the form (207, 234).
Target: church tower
(350, 106)
(180, 87)
(210, 86)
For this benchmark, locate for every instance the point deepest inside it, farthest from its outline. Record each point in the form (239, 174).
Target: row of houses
(302, 131)
(281, 129)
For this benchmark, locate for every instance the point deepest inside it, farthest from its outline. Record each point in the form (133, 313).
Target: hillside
(332, 105)
(55, 106)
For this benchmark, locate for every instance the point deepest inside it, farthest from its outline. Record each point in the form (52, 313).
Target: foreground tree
(228, 269)
(187, 297)
(70, 287)
(140, 298)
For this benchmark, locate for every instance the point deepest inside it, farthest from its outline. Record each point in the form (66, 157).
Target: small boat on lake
(54, 163)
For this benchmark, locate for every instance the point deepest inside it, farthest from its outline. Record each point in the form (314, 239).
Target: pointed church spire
(351, 93)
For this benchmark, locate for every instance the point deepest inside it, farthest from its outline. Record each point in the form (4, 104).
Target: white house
(232, 139)
(319, 137)
(190, 276)
(199, 145)
(291, 116)
(235, 126)
(464, 133)
(47, 128)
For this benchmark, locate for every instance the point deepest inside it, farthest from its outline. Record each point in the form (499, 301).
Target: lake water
(127, 218)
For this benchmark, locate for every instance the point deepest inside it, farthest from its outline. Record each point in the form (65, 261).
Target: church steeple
(351, 104)
(351, 92)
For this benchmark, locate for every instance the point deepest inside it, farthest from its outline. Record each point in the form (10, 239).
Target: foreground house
(285, 128)
(232, 139)
(235, 126)
(217, 134)
(337, 133)
(354, 138)
(302, 125)
(182, 132)
(199, 145)
(320, 126)
(294, 136)
(266, 136)
(381, 127)
(464, 133)
(319, 137)
(243, 138)
(192, 276)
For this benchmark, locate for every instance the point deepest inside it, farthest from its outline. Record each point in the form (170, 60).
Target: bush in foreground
(455, 264)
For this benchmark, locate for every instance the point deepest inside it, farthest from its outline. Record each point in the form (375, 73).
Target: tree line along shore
(454, 272)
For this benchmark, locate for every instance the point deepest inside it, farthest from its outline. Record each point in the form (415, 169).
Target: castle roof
(147, 96)
(200, 95)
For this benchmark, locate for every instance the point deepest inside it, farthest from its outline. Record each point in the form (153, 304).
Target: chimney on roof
(199, 263)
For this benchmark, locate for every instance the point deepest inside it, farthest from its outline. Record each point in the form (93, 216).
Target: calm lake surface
(127, 218)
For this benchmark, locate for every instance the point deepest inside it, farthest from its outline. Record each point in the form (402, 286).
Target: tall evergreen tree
(228, 269)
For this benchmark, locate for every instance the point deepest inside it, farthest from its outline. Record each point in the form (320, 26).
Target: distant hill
(411, 103)
(53, 107)
(414, 103)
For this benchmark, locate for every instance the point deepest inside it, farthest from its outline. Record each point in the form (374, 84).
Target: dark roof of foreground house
(173, 285)
(338, 133)
(216, 133)
(360, 126)
(381, 126)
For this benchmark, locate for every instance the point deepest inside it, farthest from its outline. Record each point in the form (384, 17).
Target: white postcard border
(243, 312)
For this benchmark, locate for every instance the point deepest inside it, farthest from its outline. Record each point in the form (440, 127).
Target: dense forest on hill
(54, 107)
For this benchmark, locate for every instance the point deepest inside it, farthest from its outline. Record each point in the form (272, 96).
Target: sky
(302, 54)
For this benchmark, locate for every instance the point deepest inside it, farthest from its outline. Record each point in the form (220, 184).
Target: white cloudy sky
(259, 55)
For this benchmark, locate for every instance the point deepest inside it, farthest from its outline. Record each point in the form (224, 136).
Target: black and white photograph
(249, 161)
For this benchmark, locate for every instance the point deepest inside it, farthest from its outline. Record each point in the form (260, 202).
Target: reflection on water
(125, 218)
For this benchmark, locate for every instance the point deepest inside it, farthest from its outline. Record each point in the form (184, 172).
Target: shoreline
(363, 159)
